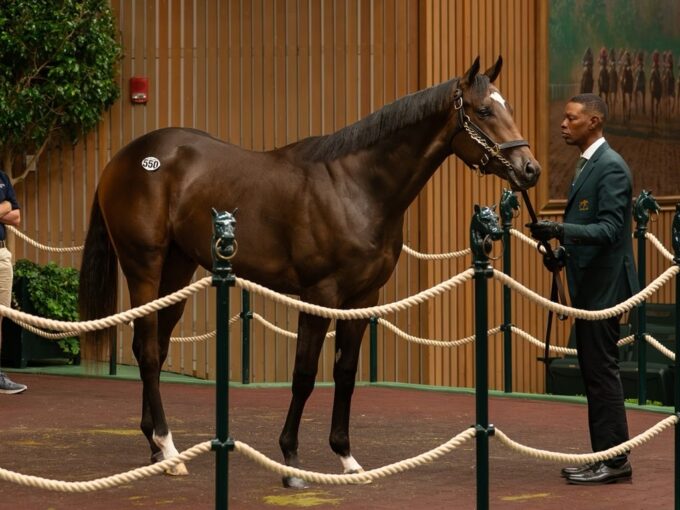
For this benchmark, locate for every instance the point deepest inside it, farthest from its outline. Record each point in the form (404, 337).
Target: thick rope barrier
(357, 478)
(652, 238)
(659, 347)
(356, 313)
(281, 331)
(435, 256)
(578, 313)
(433, 342)
(585, 458)
(46, 334)
(335, 479)
(44, 247)
(107, 482)
(648, 235)
(562, 350)
(113, 320)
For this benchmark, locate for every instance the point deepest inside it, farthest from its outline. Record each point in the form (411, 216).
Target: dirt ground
(71, 428)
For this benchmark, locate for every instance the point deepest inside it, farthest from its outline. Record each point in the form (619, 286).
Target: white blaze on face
(496, 96)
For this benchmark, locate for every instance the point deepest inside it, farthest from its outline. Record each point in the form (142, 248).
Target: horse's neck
(397, 168)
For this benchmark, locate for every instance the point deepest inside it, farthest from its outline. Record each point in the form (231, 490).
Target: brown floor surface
(78, 429)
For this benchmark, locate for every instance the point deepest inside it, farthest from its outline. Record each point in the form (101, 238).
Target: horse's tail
(98, 290)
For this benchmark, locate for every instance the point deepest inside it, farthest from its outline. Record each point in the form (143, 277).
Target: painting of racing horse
(613, 84)
(627, 86)
(655, 88)
(603, 76)
(639, 84)
(321, 218)
(667, 85)
(587, 82)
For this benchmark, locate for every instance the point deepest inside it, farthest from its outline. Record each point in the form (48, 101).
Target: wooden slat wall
(456, 33)
(261, 74)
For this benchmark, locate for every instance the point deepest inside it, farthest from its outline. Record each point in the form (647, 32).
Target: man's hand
(557, 261)
(546, 230)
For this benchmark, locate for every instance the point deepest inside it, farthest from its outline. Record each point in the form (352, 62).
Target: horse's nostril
(531, 170)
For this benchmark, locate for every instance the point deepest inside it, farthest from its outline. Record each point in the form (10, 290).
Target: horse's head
(485, 135)
(224, 244)
(644, 205)
(509, 206)
(484, 228)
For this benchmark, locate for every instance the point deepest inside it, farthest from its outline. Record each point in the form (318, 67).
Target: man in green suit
(596, 235)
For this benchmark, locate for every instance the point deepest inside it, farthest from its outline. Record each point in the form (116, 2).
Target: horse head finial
(644, 205)
(509, 207)
(224, 245)
(484, 229)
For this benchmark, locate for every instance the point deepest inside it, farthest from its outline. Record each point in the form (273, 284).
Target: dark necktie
(579, 166)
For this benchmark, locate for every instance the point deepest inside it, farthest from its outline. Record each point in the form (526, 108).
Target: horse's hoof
(293, 482)
(357, 471)
(177, 470)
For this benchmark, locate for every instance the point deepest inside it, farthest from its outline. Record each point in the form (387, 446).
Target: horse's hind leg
(177, 272)
(311, 334)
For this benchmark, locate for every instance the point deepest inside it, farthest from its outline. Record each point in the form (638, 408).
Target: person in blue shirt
(10, 214)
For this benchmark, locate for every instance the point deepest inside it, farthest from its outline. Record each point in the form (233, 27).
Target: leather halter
(490, 148)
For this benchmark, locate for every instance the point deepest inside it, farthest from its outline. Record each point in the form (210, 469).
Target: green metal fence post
(246, 318)
(223, 249)
(676, 247)
(644, 205)
(484, 229)
(508, 205)
(373, 351)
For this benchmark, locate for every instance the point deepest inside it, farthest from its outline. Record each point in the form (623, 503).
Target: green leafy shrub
(53, 291)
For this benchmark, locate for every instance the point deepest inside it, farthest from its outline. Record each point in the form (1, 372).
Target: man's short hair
(592, 103)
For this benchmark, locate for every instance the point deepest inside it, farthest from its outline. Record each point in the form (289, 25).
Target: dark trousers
(598, 358)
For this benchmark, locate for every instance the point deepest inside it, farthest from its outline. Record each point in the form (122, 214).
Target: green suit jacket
(598, 233)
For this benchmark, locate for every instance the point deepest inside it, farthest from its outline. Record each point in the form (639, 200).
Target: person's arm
(10, 212)
(9, 216)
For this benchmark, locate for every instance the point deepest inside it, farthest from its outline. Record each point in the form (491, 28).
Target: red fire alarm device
(139, 89)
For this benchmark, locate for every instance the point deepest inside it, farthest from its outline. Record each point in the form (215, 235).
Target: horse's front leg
(311, 333)
(347, 349)
(347, 346)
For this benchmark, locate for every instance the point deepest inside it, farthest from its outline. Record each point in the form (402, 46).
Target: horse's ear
(214, 212)
(477, 208)
(471, 73)
(493, 71)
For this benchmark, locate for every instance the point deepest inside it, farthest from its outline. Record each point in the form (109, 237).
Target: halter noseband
(491, 149)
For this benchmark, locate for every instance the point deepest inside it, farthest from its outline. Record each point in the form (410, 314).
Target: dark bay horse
(321, 218)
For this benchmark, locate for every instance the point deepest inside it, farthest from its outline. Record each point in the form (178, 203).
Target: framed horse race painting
(627, 52)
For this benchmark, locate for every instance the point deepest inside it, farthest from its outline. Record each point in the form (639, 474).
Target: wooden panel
(261, 74)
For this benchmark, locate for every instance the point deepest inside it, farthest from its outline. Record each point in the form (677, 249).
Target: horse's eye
(484, 112)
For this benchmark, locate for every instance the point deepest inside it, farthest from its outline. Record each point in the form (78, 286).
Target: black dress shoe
(573, 470)
(600, 474)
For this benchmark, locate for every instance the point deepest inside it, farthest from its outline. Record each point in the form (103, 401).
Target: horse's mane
(390, 118)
